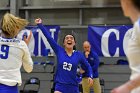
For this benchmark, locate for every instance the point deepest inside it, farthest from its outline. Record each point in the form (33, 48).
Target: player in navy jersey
(13, 53)
(67, 62)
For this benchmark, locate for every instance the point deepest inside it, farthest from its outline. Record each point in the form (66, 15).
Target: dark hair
(71, 35)
(74, 47)
(136, 3)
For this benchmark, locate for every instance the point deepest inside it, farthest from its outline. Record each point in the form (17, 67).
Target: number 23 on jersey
(67, 66)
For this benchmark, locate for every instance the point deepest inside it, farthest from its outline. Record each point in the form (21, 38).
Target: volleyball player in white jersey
(131, 9)
(13, 53)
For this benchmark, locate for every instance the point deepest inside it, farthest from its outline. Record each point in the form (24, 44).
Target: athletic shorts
(64, 88)
(8, 89)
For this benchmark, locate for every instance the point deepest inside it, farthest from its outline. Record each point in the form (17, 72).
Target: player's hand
(90, 81)
(38, 20)
(81, 71)
(27, 39)
(121, 89)
(86, 54)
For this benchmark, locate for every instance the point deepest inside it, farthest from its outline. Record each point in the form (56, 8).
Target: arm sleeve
(51, 41)
(138, 34)
(86, 65)
(95, 62)
(27, 60)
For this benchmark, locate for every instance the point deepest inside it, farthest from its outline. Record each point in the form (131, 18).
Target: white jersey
(13, 53)
(133, 53)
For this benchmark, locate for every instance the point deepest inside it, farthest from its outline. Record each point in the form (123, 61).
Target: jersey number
(67, 66)
(4, 51)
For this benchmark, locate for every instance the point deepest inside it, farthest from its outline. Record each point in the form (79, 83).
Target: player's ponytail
(11, 23)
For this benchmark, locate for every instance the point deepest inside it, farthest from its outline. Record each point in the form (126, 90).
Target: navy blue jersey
(65, 88)
(93, 60)
(66, 65)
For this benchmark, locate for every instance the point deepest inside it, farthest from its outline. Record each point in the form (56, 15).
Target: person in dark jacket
(93, 60)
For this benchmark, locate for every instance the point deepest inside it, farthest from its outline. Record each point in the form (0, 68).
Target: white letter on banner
(126, 38)
(104, 42)
(47, 45)
(52, 32)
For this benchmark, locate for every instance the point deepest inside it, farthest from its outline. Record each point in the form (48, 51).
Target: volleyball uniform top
(133, 53)
(13, 53)
(66, 65)
(93, 60)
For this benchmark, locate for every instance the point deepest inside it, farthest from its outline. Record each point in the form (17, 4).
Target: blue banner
(38, 45)
(109, 41)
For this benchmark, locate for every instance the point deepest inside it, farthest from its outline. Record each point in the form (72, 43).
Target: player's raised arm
(46, 33)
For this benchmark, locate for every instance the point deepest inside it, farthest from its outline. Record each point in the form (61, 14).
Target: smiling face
(69, 42)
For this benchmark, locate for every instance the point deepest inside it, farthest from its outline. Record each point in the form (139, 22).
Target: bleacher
(43, 71)
(114, 75)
